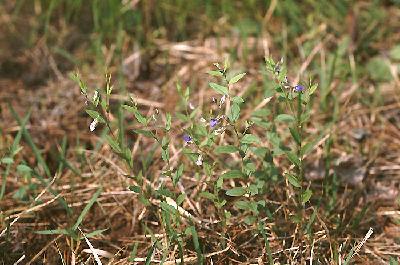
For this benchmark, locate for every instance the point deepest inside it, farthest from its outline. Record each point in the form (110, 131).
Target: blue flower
(213, 123)
(298, 88)
(187, 138)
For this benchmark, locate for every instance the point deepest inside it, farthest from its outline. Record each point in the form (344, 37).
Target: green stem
(300, 170)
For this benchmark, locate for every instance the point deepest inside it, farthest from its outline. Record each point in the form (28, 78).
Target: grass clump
(172, 158)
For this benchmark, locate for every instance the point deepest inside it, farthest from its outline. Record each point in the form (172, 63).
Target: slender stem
(300, 170)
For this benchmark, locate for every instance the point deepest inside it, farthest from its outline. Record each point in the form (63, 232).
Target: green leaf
(234, 112)
(219, 182)
(295, 134)
(237, 100)
(135, 189)
(23, 168)
(95, 233)
(226, 149)
(307, 148)
(393, 261)
(150, 253)
(306, 196)
(196, 244)
(262, 113)
(30, 142)
(232, 174)
(293, 158)
(243, 205)
(168, 121)
(178, 174)
(284, 118)
(395, 52)
(7, 160)
(52, 232)
(220, 89)
(139, 117)
(261, 226)
(208, 195)
(293, 180)
(132, 255)
(131, 109)
(165, 155)
(95, 115)
(114, 145)
(226, 63)
(237, 191)
(215, 73)
(87, 208)
(145, 133)
(312, 89)
(168, 208)
(180, 199)
(250, 139)
(379, 69)
(236, 78)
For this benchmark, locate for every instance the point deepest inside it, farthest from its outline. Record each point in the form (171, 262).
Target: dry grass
(368, 168)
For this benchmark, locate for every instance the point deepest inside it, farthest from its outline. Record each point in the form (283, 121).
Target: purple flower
(298, 88)
(187, 138)
(213, 123)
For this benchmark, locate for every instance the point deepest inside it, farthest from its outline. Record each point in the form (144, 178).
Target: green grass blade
(196, 244)
(13, 149)
(87, 208)
(267, 247)
(52, 232)
(52, 191)
(30, 142)
(150, 253)
(63, 162)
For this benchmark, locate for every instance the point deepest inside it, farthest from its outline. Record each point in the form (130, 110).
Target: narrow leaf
(226, 149)
(145, 133)
(87, 208)
(306, 196)
(237, 191)
(293, 158)
(52, 232)
(95, 116)
(236, 78)
(234, 112)
(295, 134)
(219, 89)
(215, 73)
(249, 139)
(135, 189)
(114, 145)
(293, 180)
(208, 195)
(284, 118)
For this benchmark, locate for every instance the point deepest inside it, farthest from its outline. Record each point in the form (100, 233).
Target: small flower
(199, 161)
(187, 138)
(298, 88)
(191, 106)
(213, 123)
(222, 100)
(93, 125)
(95, 95)
(219, 131)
